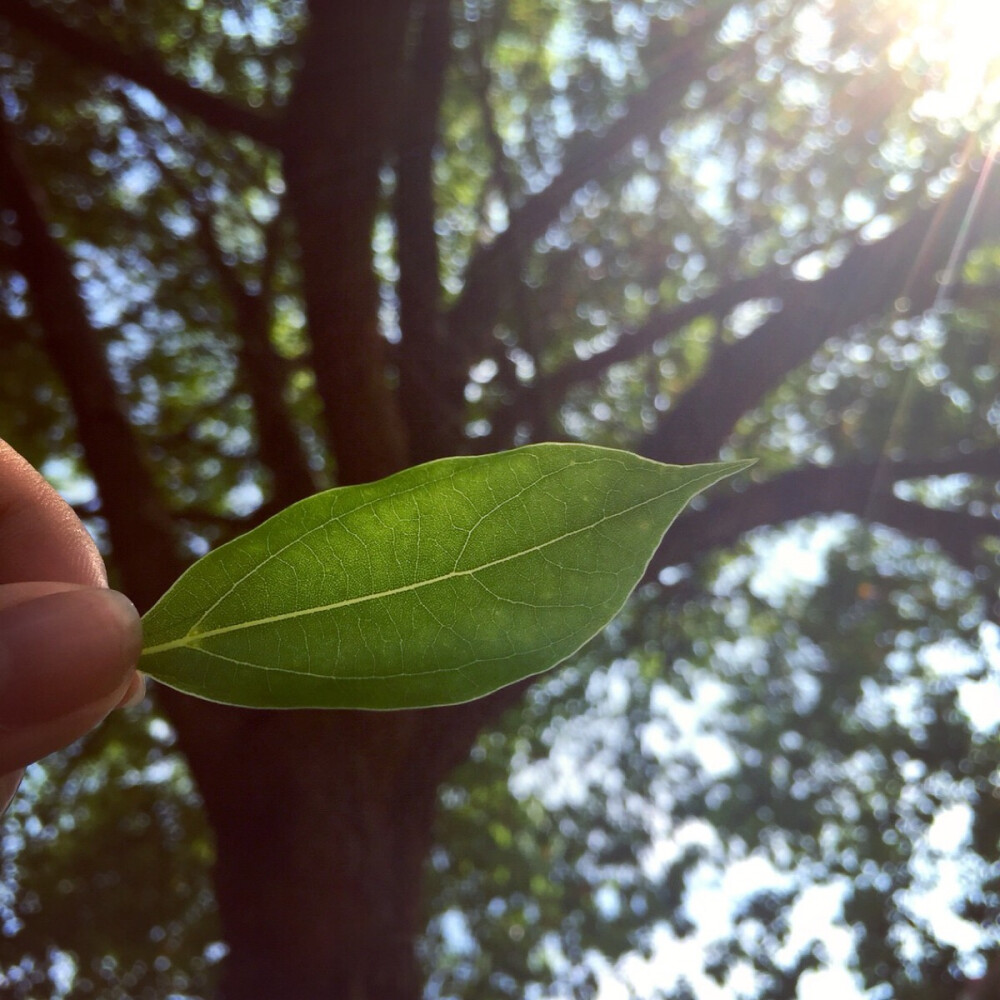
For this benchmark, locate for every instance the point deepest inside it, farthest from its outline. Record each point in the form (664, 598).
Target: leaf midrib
(193, 639)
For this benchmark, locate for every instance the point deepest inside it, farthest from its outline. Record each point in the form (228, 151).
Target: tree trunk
(322, 822)
(323, 819)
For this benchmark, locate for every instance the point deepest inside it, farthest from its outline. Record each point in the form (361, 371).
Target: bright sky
(965, 36)
(716, 892)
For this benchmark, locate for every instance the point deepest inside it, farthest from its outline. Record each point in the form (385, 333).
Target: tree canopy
(252, 250)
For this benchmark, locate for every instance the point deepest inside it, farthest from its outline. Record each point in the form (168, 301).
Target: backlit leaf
(434, 586)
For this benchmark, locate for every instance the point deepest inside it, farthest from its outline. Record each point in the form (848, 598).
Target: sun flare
(959, 41)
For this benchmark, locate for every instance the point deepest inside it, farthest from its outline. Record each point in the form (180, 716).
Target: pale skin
(68, 644)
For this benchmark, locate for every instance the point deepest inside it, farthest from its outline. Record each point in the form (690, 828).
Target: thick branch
(346, 102)
(903, 267)
(430, 381)
(494, 267)
(265, 375)
(144, 67)
(137, 519)
(859, 488)
(770, 284)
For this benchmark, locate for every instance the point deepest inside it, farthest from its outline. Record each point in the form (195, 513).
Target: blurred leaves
(108, 846)
(826, 735)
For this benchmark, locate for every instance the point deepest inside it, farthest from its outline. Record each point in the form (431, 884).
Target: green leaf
(434, 586)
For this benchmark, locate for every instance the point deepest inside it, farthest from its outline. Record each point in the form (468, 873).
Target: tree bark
(346, 100)
(905, 266)
(322, 822)
(431, 377)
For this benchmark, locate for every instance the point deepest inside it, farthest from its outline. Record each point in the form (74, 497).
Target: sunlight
(959, 40)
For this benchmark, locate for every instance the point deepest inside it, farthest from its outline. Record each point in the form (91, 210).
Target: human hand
(68, 645)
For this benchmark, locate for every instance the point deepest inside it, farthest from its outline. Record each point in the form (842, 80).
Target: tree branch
(772, 283)
(860, 488)
(902, 267)
(144, 67)
(141, 533)
(495, 267)
(482, 83)
(346, 103)
(278, 444)
(264, 372)
(430, 380)
(521, 403)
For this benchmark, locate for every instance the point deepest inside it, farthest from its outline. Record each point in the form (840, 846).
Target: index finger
(40, 536)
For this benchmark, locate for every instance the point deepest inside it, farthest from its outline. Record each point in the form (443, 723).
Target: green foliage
(107, 837)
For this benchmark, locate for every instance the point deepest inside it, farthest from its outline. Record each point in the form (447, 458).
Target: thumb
(67, 658)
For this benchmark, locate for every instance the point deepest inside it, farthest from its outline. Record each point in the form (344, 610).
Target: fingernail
(124, 610)
(9, 784)
(135, 692)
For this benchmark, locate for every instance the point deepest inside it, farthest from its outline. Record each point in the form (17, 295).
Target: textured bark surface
(322, 822)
